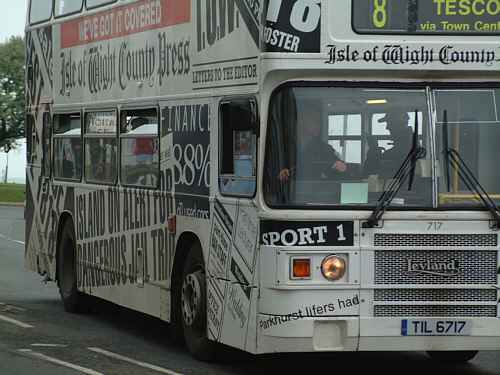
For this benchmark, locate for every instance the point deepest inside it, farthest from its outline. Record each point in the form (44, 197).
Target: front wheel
(194, 306)
(453, 356)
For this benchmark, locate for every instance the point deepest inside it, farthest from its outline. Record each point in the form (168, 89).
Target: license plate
(435, 327)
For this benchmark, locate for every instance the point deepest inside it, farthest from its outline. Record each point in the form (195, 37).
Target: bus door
(232, 257)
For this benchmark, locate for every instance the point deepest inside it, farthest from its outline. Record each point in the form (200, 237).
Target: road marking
(5, 307)
(133, 361)
(49, 345)
(15, 322)
(56, 361)
(11, 240)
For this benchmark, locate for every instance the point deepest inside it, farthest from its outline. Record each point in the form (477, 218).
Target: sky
(12, 18)
(17, 164)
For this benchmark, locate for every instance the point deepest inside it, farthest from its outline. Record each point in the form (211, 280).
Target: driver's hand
(284, 175)
(340, 166)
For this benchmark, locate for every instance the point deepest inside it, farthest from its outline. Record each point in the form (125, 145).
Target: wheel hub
(191, 298)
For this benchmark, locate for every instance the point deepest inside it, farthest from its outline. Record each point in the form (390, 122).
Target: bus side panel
(186, 162)
(125, 251)
(41, 199)
(187, 48)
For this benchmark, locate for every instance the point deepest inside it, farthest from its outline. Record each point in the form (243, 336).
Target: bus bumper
(366, 334)
(308, 335)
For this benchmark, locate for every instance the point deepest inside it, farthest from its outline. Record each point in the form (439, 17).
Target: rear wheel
(194, 306)
(453, 356)
(73, 300)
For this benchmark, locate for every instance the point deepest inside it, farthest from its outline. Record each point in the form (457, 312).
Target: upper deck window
(97, 3)
(40, 10)
(65, 7)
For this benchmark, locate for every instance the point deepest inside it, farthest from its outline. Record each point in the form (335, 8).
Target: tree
(12, 99)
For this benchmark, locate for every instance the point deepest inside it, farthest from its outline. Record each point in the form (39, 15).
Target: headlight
(333, 268)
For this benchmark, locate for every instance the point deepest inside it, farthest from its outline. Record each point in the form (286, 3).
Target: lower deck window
(139, 146)
(68, 147)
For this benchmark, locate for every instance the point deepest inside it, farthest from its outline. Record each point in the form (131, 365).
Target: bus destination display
(474, 17)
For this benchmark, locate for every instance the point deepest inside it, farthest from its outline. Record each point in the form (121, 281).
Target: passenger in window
(98, 161)
(144, 147)
(68, 161)
(316, 159)
(77, 150)
(144, 150)
(71, 158)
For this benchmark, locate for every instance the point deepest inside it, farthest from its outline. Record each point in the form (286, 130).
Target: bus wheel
(452, 356)
(193, 306)
(72, 299)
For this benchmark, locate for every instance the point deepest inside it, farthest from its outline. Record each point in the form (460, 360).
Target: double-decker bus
(275, 176)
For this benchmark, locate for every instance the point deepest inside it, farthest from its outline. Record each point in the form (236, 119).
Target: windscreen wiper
(467, 176)
(407, 169)
(452, 157)
(414, 157)
(445, 147)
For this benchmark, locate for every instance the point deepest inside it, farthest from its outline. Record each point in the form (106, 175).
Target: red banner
(125, 20)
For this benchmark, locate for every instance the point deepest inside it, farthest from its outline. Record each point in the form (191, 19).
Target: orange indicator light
(301, 268)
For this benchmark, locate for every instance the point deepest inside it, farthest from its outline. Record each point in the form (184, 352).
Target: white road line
(15, 322)
(7, 307)
(56, 361)
(11, 240)
(133, 361)
(49, 345)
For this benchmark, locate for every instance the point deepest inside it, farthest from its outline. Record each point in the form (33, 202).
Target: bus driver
(315, 158)
(387, 162)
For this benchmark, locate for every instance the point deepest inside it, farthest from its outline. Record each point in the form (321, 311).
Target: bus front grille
(435, 295)
(435, 311)
(435, 267)
(435, 240)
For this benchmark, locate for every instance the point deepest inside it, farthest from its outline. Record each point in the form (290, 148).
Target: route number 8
(380, 13)
(305, 15)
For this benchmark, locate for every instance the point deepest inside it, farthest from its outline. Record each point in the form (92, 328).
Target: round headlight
(333, 268)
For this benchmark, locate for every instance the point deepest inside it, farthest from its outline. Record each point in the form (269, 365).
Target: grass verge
(12, 193)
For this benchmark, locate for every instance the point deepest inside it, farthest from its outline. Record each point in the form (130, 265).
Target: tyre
(73, 300)
(452, 356)
(193, 303)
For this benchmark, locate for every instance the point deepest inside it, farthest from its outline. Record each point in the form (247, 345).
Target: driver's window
(238, 148)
